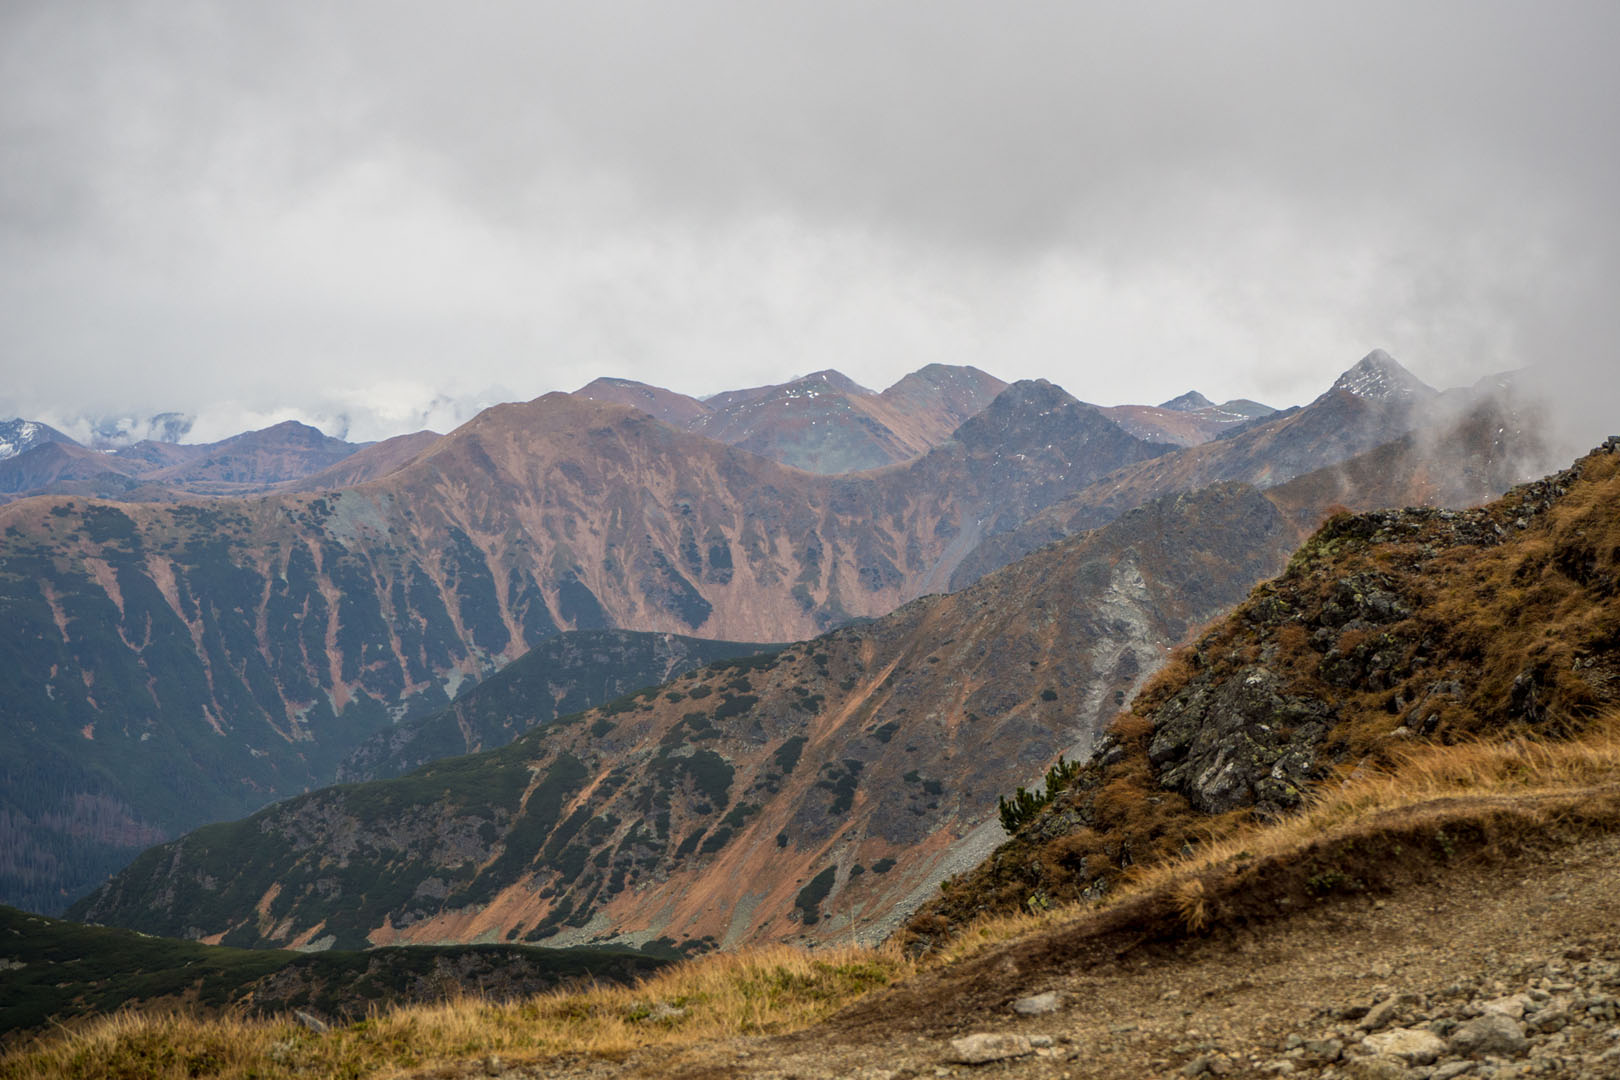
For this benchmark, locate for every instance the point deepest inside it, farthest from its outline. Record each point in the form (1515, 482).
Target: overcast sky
(387, 213)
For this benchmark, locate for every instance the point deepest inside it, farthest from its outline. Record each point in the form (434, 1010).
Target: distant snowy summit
(20, 436)
(1378, 377)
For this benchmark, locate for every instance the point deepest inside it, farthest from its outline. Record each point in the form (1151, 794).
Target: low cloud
(276, 210)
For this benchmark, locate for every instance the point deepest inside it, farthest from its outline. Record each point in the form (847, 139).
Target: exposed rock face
(805, 795)
(1241, 742)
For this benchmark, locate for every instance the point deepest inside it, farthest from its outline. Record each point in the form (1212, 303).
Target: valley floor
(1534, 914)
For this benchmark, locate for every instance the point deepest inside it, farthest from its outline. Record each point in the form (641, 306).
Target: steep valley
(174, 663)
(803, 795)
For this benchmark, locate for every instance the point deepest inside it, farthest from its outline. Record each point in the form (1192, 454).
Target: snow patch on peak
(1377, 376)
(18, 436)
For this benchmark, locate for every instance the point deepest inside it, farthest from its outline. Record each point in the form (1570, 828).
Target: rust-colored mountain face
(823, 422)
(185, 662)
(366, 464)
(676, 410)
(807, 794)
(65, 466)
(174, 664)
(255, 460)
(619, 520)
(816, 794)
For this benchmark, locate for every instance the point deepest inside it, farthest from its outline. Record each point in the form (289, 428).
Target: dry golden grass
(1421, 773)
(758, 991)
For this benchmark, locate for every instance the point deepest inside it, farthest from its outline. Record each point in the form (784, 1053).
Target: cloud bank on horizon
(378, 216)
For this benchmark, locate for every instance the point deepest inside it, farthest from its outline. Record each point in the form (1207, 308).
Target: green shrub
(1024, 805)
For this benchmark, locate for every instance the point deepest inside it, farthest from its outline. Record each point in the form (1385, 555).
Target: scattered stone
(1376, 1068)
(1038, 1004)
(1329, 1050)
(1414, 1046)
(1490, 1033)
(310, 1020)
(1386, 1012)
(1512, 1006)
(1450, 1070)
(983, 1046)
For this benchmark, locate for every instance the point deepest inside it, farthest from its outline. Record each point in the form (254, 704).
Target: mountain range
(175, 663)
(824, 422)
(811, 794)
(163, 471)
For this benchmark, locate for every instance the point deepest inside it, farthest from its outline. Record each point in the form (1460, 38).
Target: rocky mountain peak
(19, 435)
(1380, 377)
(825, 380)
(1191, 401)
(672, 408)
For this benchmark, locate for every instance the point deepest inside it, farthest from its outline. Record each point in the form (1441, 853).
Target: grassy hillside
(1438, 814)
(52, 971)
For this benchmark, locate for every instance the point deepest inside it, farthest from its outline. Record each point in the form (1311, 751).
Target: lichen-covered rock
(1238, 742)
(1492, 1033)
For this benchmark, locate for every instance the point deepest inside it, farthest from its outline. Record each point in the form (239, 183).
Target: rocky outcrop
(1243, 741)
